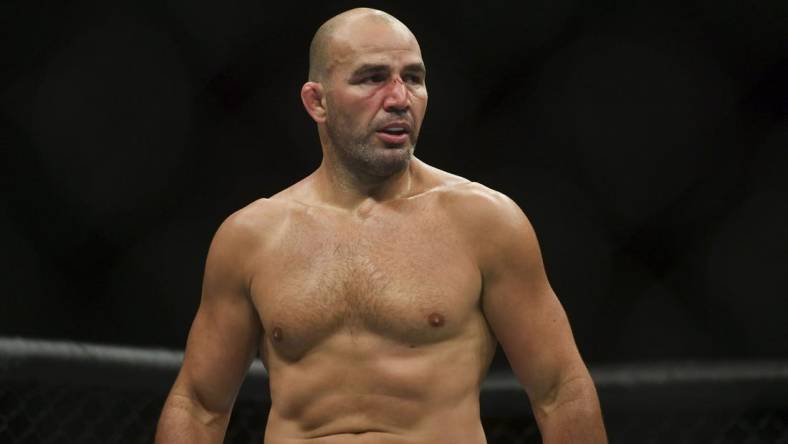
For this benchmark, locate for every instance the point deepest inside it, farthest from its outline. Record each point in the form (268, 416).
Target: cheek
(419, 105)
(350, 105)
(419, 95)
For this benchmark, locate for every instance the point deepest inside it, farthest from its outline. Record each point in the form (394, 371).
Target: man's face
(376, 97)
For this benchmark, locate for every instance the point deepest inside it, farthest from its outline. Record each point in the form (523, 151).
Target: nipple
(435, 320)
(277, 334)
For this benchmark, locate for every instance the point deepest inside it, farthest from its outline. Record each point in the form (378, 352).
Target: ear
(314, 101)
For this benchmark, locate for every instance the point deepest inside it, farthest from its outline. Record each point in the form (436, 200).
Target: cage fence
(66, 392)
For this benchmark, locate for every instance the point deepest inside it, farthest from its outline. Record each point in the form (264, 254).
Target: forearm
(571, 415)
(183, 420)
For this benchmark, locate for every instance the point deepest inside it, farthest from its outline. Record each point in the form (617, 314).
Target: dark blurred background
(647, 142)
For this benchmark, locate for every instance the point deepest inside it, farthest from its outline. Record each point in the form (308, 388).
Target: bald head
(337, 30)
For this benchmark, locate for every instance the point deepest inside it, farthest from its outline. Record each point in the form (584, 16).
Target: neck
(343, 187)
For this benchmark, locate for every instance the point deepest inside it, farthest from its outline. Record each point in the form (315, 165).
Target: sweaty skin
(375, 289)
(382, 334)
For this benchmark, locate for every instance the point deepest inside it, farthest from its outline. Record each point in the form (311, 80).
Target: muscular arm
(222, 343)
(532, 328)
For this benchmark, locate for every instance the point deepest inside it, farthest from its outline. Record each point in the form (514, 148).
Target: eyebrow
(368, 68)
(416, 67)
(371, 68)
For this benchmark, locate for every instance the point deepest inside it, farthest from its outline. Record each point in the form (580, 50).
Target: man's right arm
(222, 342)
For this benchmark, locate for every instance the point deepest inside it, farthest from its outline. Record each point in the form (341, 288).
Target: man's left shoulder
(471, 204)
(475, 203)
(487, 219)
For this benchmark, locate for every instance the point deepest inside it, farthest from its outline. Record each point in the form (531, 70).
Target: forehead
(374, 41)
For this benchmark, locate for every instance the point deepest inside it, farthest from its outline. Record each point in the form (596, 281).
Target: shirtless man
(376, 288)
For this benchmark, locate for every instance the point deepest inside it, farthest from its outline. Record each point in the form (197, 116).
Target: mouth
(395, 133)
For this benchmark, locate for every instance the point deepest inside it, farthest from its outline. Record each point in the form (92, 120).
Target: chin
(389, 161)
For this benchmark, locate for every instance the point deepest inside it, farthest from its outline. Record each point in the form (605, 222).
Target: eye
(374, 78)
(414, 78)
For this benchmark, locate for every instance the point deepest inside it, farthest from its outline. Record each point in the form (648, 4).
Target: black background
(646, 141)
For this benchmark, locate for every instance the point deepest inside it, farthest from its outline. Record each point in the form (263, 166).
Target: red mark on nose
(435, 320)
(277, 334)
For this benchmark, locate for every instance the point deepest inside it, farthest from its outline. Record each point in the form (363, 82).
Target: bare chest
(409, 280)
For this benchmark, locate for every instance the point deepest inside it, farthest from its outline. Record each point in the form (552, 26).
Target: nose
(397, 98)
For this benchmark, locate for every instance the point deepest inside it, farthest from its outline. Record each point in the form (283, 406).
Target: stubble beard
(363, 154)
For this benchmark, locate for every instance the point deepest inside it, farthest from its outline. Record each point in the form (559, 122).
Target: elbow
(183, 420)
(188, 402)
(576, 393)
(570, 412)
(196, 408)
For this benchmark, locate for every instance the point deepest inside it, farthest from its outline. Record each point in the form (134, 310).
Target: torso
(373, 330)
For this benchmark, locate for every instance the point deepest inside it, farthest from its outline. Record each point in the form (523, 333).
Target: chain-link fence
(77, 393)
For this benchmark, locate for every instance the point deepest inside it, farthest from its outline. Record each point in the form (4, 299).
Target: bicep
(525, 314)
(225, 332)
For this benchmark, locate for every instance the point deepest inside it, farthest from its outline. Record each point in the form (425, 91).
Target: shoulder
(241, 239)
(465, 197)
(251, 225)
(479, 206)
(493, 224)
